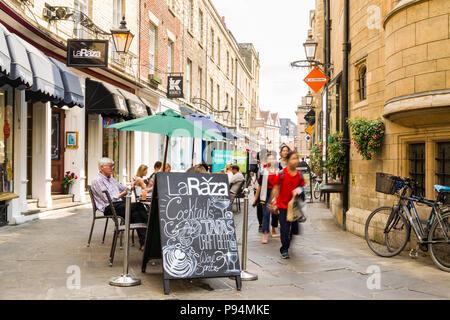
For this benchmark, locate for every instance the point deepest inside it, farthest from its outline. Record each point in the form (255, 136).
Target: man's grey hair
(103, 162)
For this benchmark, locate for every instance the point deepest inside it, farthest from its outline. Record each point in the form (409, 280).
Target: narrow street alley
(37, 260)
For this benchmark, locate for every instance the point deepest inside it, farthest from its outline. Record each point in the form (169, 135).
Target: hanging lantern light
(122, 37)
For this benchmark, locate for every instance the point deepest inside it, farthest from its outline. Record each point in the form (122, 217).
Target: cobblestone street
(326, 263)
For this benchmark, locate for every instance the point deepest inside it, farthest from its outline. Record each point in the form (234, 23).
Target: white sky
(277, 29)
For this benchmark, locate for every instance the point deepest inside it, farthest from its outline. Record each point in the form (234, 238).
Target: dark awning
(310, 117)
(103, 98)
(47, 82)
(148, 106)
(73, 91)
(45, 79)
(20, 74)
(5, 59)
(136, 107)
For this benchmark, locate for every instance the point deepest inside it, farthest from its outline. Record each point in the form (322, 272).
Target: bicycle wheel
(391, 242)
(440, 252)
(316, 192)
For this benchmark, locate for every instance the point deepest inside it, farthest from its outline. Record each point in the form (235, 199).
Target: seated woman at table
(197, 169)
(152, 179)
(138, 181)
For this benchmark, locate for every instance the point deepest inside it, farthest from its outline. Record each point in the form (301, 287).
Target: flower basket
(367, 136)
(316, 158)
(336, 156)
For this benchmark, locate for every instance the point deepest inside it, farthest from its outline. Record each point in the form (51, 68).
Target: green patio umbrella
(170, 124)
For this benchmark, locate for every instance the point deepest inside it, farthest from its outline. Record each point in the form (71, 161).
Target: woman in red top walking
(265, 185)
(288, 184)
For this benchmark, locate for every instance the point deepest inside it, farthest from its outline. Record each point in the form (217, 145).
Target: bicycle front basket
(385, 183)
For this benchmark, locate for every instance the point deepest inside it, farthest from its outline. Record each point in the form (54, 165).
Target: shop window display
(6, 140)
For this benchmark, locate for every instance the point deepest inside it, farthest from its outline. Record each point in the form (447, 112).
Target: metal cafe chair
(119, 227)
(96, 217)
(239, 195)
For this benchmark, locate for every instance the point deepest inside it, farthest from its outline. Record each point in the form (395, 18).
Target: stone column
(123, 175)
(19, 205)
(95, 145)
(41, 161)
(137, 152)
(74, 159)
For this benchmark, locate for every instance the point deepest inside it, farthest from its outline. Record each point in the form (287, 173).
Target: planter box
(154, 79)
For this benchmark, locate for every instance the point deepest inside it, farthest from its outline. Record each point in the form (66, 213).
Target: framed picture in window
(72, 139)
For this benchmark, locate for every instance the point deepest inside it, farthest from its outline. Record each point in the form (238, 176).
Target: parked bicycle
(388, 229)
(317, 183)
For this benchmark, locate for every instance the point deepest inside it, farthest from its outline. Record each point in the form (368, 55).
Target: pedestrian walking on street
(287, 185)
(261, 163)
(266, 183)
(284, 151)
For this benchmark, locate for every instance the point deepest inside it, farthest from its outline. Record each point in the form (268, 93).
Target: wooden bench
(5, 196)
(329, 188)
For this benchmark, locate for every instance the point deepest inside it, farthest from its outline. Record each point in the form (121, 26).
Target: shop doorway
(57, 149)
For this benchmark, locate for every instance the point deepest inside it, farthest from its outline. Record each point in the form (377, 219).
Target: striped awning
(45, 79)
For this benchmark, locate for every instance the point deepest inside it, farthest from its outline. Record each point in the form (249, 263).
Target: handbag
(296, 210)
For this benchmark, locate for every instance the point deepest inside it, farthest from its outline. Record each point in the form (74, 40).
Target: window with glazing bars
(443, 163)
(417, 166)
(362, 92)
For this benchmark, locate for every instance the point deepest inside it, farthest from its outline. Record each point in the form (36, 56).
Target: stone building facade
(223, 73)
(270, 135)
(303, 144)
(190, 39)
(399, 71)
(167, 34)
(40, 157)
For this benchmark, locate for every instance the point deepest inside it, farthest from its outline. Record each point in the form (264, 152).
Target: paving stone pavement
(326, 263)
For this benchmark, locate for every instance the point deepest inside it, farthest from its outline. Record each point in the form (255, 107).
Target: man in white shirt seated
(105, 181)
(236, 180)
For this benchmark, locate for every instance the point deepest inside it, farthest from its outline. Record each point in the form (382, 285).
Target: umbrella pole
(165, 153)
(193, 146)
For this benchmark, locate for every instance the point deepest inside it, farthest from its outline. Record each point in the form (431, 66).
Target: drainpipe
(235, 98)
(327, 59)
(346, 136)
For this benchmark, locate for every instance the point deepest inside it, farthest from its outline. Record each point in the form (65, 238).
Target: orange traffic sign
(309, 130)
(316, 79)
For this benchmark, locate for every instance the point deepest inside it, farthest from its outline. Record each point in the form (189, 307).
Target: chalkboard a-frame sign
(191, 227)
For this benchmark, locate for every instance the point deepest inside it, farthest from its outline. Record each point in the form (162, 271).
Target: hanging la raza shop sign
(191, 227)
(87, 53)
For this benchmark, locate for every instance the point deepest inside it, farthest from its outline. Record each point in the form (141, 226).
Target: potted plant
(316, 158)
(68, 181)
(336, 156)
(367, 136)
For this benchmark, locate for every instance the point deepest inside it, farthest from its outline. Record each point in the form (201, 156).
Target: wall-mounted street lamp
(309, 99)
(225, 114)
(241, 110)
(202, 102)
(310, 52)
(310, 48)
(122, 37)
